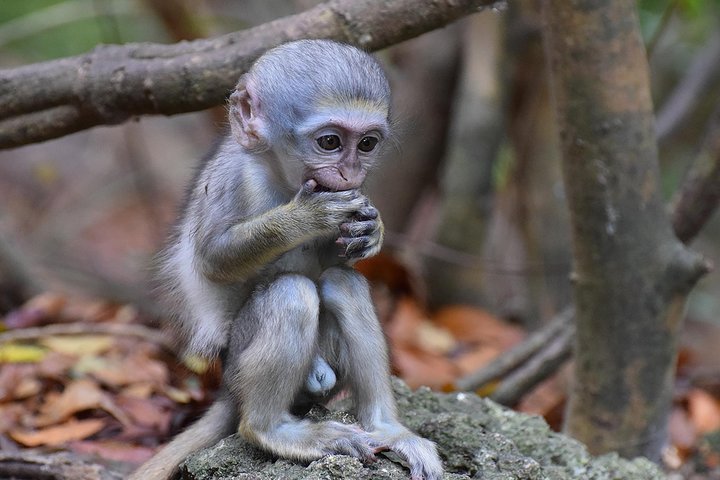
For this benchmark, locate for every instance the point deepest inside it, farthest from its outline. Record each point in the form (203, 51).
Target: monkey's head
(322, 104)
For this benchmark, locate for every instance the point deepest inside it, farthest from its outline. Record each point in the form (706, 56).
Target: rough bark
(115, 82)
(632, 274)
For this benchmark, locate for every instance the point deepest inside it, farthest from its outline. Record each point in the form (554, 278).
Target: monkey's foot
(420, 453)
(307, 441)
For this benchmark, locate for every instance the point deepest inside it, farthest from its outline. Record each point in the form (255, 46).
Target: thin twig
(518, 355)
(699, 195)
(703, 72)
(539, 367)
(662, 27)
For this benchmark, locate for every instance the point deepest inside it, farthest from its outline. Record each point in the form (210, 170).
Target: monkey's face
(340, 144)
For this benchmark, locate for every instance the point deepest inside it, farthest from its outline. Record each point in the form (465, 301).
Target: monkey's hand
(326, 211)
(362, 236)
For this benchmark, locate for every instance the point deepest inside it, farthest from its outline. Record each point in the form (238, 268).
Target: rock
(476, 438)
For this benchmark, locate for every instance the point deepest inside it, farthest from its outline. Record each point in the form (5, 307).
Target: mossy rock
(476, 437)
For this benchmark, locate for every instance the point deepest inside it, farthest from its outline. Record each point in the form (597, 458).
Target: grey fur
(259, 264)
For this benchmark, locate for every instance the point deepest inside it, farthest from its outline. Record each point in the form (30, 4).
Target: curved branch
(699, 195)
(115, 82)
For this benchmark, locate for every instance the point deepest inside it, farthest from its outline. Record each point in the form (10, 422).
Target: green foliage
(36, 30)
(697, 16)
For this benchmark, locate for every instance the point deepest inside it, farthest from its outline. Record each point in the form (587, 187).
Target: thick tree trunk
(632, 274)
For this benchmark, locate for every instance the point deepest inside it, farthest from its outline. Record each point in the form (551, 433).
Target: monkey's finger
(309, 186)
(368, 212)
(381, 448)
(355, 447)
(353, 246)
(356, 229)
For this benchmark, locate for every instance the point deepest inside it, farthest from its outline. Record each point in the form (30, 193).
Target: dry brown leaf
(119, 372)
(113, 450)
(139, 390)
(402, 328)
(39, 310)
(385, 269)
(418, 367)
(704, 410)
(475, 358)
(92, 310)
(10, 376)
(434, 339)
(547, 400)
(473, 325)
(56, 365)
(145, 412)
(59, 434)
(78, 396)
(11, 415)
(683, 433)
(78, 344)
(27, 387)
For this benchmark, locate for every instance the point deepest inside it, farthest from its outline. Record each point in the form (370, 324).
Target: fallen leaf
(177, 395)
(475, 358)
(547, 400)
(434, 339)
(16, 353)
(11, 375)
(683, 433)
(118, 372)
(59, 434)
(704, 410)
(78, 344)
(417, 367)
(145, 412)
(385, 269)
(407, 318)
(27, 387)
(11, 415)
(55, 366)
(78, 396)
(196, 363)
(113, 450)
(39, 310)
(139, 390)
(473, 325)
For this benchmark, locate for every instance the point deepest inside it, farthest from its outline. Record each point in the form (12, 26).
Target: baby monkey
(258, 268)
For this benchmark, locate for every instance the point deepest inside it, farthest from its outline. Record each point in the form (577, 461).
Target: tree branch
(116, 82)
(700, 193)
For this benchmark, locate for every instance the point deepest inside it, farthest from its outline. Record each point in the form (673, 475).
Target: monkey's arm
(233, 253)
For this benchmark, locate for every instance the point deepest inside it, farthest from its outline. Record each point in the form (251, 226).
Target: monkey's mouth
(332, 179)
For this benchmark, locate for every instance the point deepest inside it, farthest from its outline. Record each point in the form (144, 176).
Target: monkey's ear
(245, 122)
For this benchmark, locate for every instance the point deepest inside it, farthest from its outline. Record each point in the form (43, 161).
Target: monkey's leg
(267, 367)
(358, 349)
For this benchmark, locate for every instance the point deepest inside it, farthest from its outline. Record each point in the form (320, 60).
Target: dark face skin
(351, 152)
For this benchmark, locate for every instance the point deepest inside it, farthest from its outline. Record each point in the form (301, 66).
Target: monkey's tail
(217, 423)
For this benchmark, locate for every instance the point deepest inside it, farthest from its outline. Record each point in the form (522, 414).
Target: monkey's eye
(329, 142)
(367, 144)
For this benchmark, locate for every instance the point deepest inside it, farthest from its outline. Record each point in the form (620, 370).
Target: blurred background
(478, 249)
